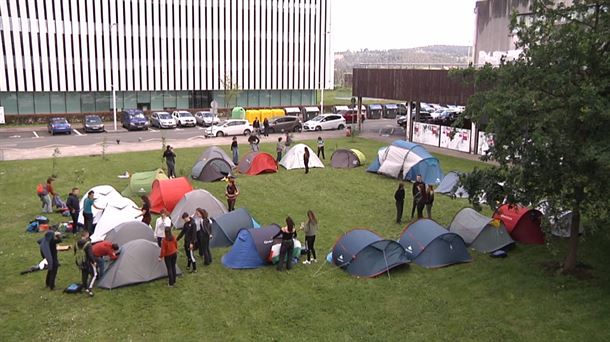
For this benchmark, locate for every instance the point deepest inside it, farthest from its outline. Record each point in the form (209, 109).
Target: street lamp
(112, 85)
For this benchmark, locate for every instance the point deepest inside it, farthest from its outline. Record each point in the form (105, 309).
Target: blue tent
(251, 248)
(406, 160)
(226, 226)
(430, 245)
(363, 253)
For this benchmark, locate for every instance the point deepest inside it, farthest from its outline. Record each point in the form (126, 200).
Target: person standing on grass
(231, 193)
(170, 160)
(235, 150)
(163, 221)
(73, 204)
(88, 205)
(47, 196)
(189, 231)
(287, 233)
(48, 250)
(87, 266)
(399, 196)
(311, 228)
(266, 127)
(288, 140)
(306, 160)
(422, 200)
(104, 249)
(430, 200)
(279, 149)
(145, 210)
(320, 144)
(254, 141)
(415, 192)
(204, 234)
(169, 253)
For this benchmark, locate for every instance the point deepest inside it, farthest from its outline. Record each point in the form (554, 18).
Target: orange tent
(166, 193)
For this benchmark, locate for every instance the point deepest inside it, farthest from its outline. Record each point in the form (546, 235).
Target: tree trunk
(569, 264)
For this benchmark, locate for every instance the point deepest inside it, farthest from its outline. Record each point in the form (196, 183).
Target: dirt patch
(552, 268)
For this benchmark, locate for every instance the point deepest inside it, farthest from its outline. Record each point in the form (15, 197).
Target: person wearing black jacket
(306, 159)
(48, 250)
(73, 204)
(189, 231)
(87, 265)
(170, 160)
(399, 196)
(286, 249)
(416, 193)
(204, 234)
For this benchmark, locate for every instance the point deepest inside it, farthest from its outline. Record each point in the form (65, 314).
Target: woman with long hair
(169, 253)
(311, 228)
(145, 210)
(286, 249)
(163, 221)
(204, 234)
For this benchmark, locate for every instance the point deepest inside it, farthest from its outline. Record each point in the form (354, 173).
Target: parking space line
(35, 134)
(153, 130)
(179, 129)
(77, 132)
(200, 128)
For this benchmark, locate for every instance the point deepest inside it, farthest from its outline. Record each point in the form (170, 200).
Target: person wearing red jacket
(101, 250)
(169, 253)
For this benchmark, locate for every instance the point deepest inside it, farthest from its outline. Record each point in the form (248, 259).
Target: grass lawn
(487, 299)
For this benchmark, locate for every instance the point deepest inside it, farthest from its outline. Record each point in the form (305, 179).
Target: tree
(549, 111)
(231, 90)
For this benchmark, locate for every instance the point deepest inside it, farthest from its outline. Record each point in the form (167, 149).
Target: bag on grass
(32, 227)
(42, 219)
(74, 288)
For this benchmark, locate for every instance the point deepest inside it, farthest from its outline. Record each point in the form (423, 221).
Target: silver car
(162, 120)
(206, 119)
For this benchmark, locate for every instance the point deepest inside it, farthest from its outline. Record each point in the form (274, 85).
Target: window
(26, 103)
(58, 103)
(42, 103)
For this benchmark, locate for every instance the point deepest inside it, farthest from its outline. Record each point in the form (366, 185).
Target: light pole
(112, 85)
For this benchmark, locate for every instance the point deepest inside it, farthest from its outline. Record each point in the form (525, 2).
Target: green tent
(238, 113)
(140, 183)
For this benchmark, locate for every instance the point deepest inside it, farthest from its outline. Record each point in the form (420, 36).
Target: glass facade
(89, 102)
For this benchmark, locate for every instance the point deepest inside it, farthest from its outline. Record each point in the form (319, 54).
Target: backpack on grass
(74, 288)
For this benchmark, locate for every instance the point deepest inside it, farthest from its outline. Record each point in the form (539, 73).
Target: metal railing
(424, 66)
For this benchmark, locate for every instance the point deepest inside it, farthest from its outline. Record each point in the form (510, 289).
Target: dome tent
(448, 186)
(409, 160)
(479, 232)
(226, 227)
(140, 183)
(430, 245)
(194, 199)
(167, 192)
(523, 224)
(344, 158)
(212, 165)
(119, 210)
(363, 253)
(130, 231)
(255, 163)
(102, 194)
(251, 249)
(293, 158)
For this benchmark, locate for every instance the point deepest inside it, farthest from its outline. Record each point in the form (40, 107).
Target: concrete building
(65, 56)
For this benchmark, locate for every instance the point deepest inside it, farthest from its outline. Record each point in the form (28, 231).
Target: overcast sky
(392, 24)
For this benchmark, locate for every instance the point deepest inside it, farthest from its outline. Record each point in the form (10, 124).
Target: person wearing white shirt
(162, 222)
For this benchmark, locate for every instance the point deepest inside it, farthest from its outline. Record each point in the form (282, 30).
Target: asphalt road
(37, 137)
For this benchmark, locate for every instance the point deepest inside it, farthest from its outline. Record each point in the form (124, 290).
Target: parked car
(162, 120)
(184, 118)
(134, 119)
(351, 116)
(59, 125)
(445, 118)
(93, 123)
(325, 121)
(206, 119)
(230, 127)
(285, 124)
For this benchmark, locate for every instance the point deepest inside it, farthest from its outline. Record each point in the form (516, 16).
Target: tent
(523, 224)
(192, 200)
(238, 113)
(255, 163)
(293, 158)
(213, 165)
(120, 210)
(102, 194)
(560, 222)
(407, 160)
(140, 183)
(430, 245)
(344, 158)
(481, 233)
(448, 186)
(363, 253)
(166, 193)
(129, 231)
(251, 249)
(137, 263)
(226, 227)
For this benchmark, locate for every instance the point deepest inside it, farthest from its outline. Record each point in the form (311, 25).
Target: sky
(395, 24)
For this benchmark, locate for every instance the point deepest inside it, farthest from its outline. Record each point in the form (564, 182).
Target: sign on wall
(2, 122)
(428, 134)
(455, 138)
(485, 142)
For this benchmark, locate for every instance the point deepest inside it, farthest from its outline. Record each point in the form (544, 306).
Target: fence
(458, 139)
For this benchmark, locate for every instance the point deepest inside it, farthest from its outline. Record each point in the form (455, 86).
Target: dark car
(351, 116)
(93, 123)
(134, 119)
(59, 125)
(285, 124)
(424, 117)
(445, 118)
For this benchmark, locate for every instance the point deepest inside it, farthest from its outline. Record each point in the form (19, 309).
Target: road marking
(77, 132)
(35, 134)
(15, 136)
(153, 130)
(179, 129)
(200, 128)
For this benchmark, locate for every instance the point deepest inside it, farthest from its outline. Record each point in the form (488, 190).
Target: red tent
(523, 224)
(166, 193)
(255, 163)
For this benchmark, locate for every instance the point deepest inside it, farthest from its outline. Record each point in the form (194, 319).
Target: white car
(184, 118)
(162, 120)
(230, 127)
(206, 119)
(325, 121)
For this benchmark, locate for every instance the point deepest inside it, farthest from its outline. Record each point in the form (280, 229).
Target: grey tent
(129, 231)
(481, 233)
(430, 245)
(137, 263)
(448, 186)
(344, 158)
(225, 227)
(213, 165)
(194, 199)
